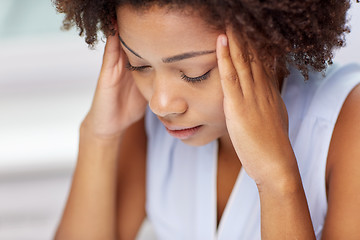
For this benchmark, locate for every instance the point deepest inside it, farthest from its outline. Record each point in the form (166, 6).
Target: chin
(198, 142)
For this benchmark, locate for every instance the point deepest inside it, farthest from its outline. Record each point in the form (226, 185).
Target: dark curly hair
(298, 32)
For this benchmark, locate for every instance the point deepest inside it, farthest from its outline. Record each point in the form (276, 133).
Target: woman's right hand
(117, 102)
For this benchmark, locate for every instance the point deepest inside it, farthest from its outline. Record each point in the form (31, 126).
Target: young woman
(245, 136)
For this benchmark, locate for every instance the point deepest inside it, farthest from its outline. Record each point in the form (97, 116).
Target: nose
(167, 98)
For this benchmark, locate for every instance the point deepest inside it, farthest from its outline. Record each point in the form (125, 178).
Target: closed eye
(134, 68)
(183, 76)
(196, 79)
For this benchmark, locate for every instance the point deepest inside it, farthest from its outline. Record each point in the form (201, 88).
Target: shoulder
(321, 96)
(331, 92)
(343, 171)
(345, 141)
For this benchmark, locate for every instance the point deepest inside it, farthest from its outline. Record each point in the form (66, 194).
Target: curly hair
(303, 33)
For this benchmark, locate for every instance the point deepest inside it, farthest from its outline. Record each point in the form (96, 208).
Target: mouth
(182, 132)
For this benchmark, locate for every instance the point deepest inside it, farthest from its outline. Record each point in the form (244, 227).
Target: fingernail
(224, 41)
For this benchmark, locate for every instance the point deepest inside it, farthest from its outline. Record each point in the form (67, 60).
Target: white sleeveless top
(181, 179)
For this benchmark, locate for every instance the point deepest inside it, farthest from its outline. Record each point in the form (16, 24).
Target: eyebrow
(123, 43)
(175, 58)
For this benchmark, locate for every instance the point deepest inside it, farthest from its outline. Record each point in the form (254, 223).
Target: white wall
(351, 53)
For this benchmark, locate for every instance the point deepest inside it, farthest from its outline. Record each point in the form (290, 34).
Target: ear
(114, 24)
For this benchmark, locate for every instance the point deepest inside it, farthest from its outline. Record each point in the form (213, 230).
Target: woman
(234, 143)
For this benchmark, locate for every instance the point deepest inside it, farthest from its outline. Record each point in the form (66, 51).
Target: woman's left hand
(256, 116)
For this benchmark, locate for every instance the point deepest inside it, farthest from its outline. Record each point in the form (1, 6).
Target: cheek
(216, 91)
(144, 86)
(212, 98)
(217, 96)
(218, 110)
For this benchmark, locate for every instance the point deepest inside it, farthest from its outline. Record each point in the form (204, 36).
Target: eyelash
(195, 79)
(183, 76)
(132, 68)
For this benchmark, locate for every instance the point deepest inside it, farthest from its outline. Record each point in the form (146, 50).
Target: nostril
(165, 104)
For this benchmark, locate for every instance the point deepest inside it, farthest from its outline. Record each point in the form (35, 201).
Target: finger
(258, 70)
(251, 71)
(263, 78)
(229, 79)
(112, 51)
(241, 63)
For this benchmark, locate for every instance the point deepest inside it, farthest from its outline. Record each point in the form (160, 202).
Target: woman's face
(173, 61)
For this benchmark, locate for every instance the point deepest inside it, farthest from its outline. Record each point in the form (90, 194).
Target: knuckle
(239, 57)
(232, 77)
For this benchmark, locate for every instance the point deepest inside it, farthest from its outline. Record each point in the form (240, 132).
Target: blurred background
(47, 79)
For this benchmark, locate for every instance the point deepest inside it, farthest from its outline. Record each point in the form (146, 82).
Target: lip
(182, 132)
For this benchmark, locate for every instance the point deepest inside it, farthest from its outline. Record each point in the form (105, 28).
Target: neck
(226, 149)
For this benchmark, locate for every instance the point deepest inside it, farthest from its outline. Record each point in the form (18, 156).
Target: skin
(108, 191)
(176, 102)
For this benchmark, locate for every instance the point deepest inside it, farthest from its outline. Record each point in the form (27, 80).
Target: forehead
(159, 28)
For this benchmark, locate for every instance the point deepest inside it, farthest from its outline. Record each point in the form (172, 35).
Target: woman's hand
(256, 116)
(257, 123)
(117, 102)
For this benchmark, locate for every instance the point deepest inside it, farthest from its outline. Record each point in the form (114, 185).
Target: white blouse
(181, 179)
